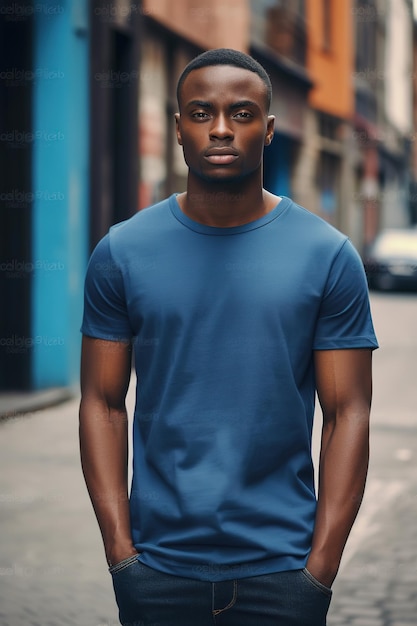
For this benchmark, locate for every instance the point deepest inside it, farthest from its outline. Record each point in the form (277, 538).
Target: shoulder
(121, 243)
(148, 218)
(318, 227)
(309, 236)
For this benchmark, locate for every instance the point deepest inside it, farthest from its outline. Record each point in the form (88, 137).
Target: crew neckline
(204, 229)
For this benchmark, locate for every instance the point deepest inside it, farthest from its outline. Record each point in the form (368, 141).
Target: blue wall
(60, 188)
(277, 166)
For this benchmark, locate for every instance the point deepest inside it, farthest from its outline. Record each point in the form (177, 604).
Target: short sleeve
(344, 319)
(105, 312)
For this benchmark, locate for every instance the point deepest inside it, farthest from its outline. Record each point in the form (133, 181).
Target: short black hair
(227, 56)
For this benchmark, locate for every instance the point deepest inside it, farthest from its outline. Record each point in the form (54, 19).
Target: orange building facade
(329, 152)
(330, 56)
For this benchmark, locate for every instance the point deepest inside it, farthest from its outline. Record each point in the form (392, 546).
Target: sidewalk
(52, 566)
(15, 403)
(379, 587)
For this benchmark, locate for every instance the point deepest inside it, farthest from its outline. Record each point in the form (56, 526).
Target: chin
(221, 178)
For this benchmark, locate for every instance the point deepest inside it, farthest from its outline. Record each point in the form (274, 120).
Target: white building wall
(398, 65)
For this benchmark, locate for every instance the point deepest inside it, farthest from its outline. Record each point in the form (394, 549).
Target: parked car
(391, 262)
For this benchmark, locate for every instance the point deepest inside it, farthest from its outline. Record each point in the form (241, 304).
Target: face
(223, 124)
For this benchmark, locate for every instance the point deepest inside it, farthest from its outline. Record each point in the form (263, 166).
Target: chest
(227, 280)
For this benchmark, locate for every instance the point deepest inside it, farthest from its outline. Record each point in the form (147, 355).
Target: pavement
(52, 566)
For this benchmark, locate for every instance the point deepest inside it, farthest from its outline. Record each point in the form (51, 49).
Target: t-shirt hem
(217, 572)
(97, 333)
(354, 343)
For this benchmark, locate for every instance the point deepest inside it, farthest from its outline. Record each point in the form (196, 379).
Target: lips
(221, 156)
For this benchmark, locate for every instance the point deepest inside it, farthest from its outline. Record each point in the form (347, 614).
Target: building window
(329, 126)
(327, 25)
(366, 24)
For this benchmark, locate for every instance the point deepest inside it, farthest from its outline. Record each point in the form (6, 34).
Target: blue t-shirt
(225, 322)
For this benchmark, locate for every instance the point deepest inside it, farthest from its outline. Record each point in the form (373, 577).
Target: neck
(225, 204)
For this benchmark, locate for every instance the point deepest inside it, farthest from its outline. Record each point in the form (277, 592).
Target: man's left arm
(344, 388)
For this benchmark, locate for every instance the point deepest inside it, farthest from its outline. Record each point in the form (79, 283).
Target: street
(52, 565)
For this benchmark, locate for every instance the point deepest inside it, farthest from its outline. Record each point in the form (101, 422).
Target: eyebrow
(244, 103)
(199, 103)
(236, 105)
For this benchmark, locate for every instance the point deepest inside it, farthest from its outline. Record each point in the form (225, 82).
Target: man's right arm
(105, 375)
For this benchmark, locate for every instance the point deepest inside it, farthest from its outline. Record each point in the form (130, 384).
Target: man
(240, 305)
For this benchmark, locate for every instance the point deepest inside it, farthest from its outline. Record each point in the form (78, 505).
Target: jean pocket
(316, 583)
(118, 567)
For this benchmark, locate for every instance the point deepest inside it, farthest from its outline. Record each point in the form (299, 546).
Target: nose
(221, 127)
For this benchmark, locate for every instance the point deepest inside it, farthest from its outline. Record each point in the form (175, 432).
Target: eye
(243, 115)
(199, 115)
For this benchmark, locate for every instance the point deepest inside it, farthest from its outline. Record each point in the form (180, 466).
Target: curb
(20, 403)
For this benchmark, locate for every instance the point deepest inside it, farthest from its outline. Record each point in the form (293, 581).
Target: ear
(270, 129)
(177, 128)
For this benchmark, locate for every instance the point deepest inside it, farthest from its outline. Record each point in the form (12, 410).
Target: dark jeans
(146, 597)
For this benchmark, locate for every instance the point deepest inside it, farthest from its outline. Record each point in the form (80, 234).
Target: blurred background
(87, 136)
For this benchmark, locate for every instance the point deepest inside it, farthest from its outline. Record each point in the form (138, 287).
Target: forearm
(342, 475)
(104, 457)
